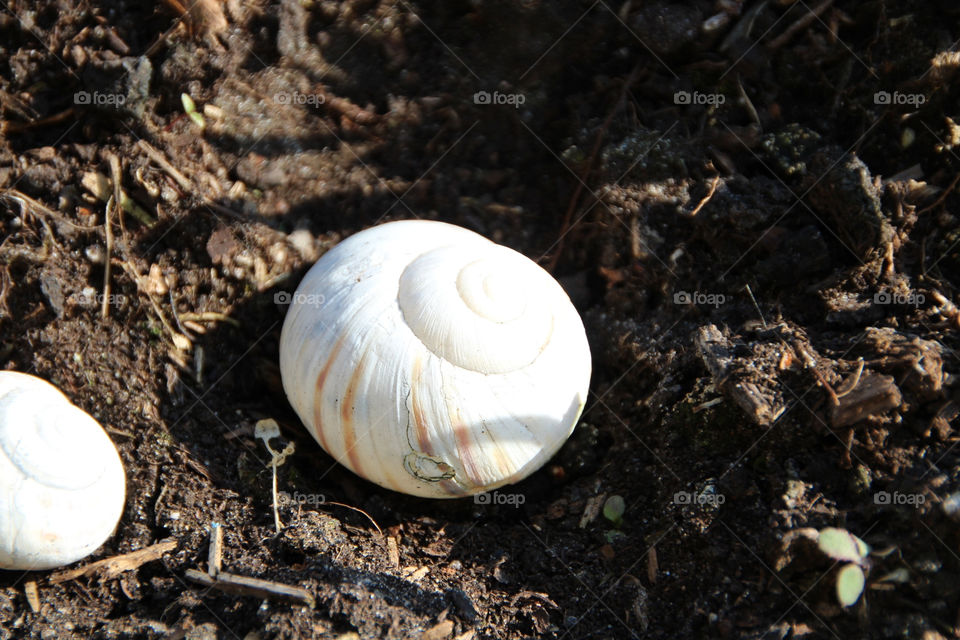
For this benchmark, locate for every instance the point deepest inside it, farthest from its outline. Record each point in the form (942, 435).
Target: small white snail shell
(62, 484)
(433, 361)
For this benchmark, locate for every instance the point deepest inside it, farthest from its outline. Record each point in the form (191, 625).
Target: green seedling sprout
(850, 583)
(613, 510)
(190, 108)
(843, 546)
(102, 188)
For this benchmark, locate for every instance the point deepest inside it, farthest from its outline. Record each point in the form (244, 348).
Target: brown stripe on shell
(466, 451)
(419, 416)
(318, 393)
(346, 417)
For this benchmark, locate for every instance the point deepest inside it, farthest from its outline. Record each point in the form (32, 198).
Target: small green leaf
(612, 535)
(842, 545)
(850, 582)
(613, 509)
(189, 106)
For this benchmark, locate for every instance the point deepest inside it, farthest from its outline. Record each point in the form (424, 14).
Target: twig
(346, 506)
(105, 302)
(845, 461)
(215, 555)
(176, 316)
(756, 306)
(29, 205)
(184, 182)
(803, 22)
(706, 405)
(16, 127)
(180, 341)
(111, 203)
(111, 567)
(172, 171)
(748, 103)
(809, 362)
(244, 586)
(854, 383)
(706, 198)
(826, 385)
(943, 196)
(209, 316)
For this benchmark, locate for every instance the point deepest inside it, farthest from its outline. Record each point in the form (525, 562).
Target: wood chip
(591, 510)
(438, 632)
(112, 567)
(33, 596)
(419, 573)
(715, 351)
(653, 567)
(874, 395)
(718, 355)
(215, 554)
(917, 363)
(756, 403)
(802, 23)
(946, 414)
(944, 66)
(536, 595)
(393, 552)
(255, 587)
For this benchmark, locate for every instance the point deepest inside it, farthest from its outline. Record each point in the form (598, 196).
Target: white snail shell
(62, 484)
(433, 361)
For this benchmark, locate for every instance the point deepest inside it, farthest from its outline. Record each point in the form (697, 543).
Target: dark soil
(752, 207)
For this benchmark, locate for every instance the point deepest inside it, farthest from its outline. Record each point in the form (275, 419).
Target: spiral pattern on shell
(433, 361)
(62, 484)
